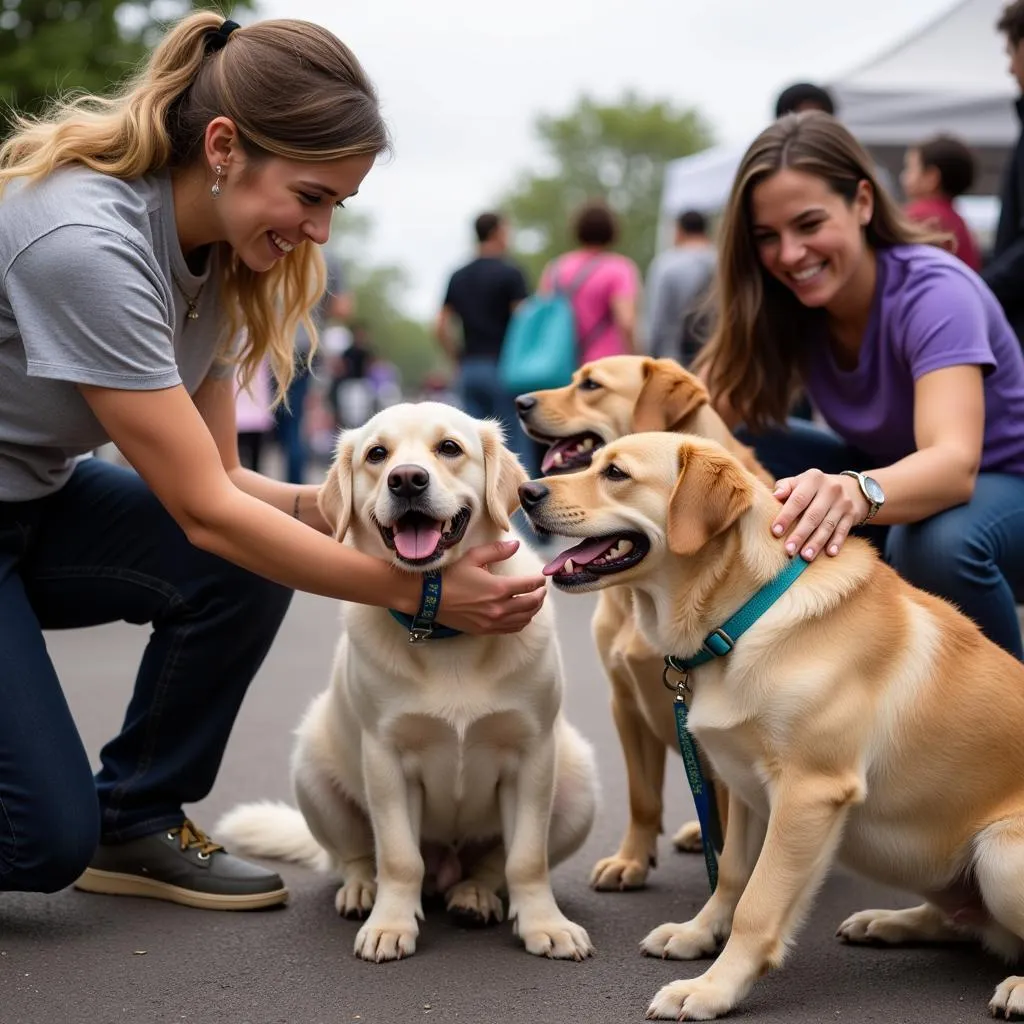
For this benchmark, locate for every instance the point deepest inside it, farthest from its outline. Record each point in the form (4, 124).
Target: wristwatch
(872, 491)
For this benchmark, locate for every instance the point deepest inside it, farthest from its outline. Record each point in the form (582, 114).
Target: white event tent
(950, 75)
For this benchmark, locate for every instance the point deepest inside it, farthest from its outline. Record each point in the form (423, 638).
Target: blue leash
(718, 643)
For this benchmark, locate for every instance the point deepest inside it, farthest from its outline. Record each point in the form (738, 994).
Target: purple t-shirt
(930, 311)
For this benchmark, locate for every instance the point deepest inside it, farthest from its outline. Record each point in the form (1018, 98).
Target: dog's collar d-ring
(422, 626)
(719, 642)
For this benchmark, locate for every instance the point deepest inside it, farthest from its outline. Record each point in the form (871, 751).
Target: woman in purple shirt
(906, 356)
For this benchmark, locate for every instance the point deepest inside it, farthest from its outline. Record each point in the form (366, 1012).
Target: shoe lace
(192, 837)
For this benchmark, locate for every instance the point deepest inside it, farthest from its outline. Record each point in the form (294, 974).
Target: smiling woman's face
(808, 236)
(269, 206)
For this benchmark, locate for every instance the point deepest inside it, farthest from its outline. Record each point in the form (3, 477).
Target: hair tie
(217, 39)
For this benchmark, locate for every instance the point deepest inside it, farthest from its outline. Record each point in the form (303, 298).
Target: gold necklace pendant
(192, 313)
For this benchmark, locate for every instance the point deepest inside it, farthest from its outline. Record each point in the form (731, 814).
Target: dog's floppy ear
(503, 474)
(335, 496)
(711, 493)
(668, 396)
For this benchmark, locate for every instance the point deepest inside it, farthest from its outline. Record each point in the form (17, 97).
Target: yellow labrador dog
(857, 719)
(606, 400)
(446, 762)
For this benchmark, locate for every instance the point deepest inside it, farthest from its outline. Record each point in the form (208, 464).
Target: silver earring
(215, 190)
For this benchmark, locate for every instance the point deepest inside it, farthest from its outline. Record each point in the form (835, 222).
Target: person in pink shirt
(604, 285)
(254, 416)
(934, 174)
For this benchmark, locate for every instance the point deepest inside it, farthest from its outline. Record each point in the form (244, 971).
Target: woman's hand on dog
(821, 508)
(476, 601)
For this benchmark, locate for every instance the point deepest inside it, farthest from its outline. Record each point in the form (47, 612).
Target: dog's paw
(474, 905)
(687, 839)
(380, 940)
(693, 999)
(617, 873)
(355, 898)
(1008, 999)
(686, 941)
(556, 937)
(897, 927)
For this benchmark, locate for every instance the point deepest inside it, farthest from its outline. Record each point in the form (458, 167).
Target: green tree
(617, 152)
(50, 47)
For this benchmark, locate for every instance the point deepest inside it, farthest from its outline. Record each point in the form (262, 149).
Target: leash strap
(718, 643)
(703, 792)
(423, 625)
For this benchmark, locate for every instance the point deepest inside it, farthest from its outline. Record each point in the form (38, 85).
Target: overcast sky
(461, 82)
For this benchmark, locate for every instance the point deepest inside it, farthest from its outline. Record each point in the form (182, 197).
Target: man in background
(678, 282)
(481, 296)
(1004, 273)
(801, 96)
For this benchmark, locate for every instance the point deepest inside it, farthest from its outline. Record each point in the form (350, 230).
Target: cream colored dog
(447, 761)
(606, 400)
(858, 719)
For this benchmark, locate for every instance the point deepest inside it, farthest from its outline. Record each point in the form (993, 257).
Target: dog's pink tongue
(419, 541)
(582, 554)
(558, 448)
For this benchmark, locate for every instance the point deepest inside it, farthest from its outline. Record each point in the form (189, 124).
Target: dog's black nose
(524, 403)
(531, 494)
(408, 481)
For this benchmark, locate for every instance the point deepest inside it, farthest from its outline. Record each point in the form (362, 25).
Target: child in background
(253, 416)
(934, 174)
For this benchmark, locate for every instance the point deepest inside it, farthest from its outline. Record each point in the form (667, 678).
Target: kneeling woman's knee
(51, 854)
(937, 555)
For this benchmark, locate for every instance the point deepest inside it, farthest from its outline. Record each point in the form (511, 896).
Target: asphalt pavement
(73, 957)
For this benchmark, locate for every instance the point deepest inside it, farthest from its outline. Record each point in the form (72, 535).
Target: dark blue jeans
(483, 397)
(103, 549)
(290, 421)
(972, 555)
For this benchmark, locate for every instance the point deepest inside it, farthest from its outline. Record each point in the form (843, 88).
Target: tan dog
(446, 763)
(608, 399)
(858, 719)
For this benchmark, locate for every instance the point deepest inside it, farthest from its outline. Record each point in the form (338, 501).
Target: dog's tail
(274, 830)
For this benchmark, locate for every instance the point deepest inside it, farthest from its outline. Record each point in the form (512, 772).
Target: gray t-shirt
(677, 279)
(92, 291)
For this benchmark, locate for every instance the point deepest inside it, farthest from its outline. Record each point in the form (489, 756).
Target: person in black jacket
(1004, 273)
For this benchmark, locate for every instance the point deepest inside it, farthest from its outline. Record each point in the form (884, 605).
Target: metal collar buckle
(718, 644)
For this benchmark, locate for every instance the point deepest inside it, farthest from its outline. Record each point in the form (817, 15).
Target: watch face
(873, 489)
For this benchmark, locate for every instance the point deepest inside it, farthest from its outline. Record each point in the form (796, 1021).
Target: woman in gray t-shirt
(138, 237)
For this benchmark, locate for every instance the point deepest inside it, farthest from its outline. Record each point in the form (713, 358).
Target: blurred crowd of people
(665, 311)
(342, 385)
(668, 312)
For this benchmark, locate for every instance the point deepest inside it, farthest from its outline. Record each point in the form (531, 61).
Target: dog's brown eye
(449, 448)
(589, 384)
(378, 453)
(612, 472)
